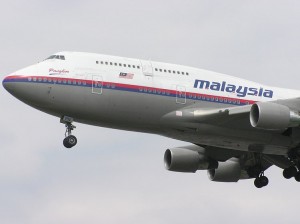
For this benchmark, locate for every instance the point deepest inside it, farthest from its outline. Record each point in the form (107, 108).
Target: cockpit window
(60, 57)
(51, 57)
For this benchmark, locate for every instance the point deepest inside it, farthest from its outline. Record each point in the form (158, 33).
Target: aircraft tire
(264, 181)
(257, 183)
(260, 182)
(297, 177)
(70, 141)
(290, 172)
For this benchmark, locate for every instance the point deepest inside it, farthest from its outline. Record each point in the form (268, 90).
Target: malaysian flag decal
(126, 75)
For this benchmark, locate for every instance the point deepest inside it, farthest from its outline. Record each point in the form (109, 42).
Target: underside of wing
(223, 165)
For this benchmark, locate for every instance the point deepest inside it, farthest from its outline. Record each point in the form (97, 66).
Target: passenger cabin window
(170, 71)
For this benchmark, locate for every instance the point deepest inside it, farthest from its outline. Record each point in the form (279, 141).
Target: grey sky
(115, 176)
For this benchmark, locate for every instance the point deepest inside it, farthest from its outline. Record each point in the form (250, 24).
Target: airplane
(237, 128)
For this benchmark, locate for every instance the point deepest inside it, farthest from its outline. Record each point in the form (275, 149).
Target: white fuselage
(135, 95)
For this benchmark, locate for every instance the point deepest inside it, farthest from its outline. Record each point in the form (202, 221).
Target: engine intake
(187, 160)
(272, 116)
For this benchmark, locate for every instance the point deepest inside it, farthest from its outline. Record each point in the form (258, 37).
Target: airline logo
(53, 71)
(241, 91)
(125, 75)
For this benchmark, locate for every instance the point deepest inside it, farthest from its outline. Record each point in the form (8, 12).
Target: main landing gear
(70, 140)
(294, 170)
(260, 179)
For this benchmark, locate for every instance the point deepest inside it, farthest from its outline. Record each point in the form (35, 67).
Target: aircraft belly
(111, 108)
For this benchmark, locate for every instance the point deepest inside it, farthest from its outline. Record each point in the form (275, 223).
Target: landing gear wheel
(70, 141)
(257, 183)
(264, 180)
(261, 181)
(290, 172)
(297, 177)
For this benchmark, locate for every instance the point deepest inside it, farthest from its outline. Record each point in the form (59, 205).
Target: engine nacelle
(229, 171)
(272, 116)
(187, 160)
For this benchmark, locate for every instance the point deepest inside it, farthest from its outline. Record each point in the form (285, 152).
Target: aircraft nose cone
(15, 86)
(8, 84)
(23, 89)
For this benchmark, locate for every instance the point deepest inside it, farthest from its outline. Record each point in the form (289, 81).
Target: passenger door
(180, 94)
(97, 84)
(147, 69)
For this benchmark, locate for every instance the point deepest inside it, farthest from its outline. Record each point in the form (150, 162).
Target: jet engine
(272, 116)
(187, 160)
(228, 171)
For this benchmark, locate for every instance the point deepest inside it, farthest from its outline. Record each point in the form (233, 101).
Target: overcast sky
(115, 176)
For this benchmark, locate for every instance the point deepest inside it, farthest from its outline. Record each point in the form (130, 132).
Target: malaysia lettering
(241, 91)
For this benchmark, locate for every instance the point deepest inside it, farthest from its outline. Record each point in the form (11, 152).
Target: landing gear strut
(70, 140)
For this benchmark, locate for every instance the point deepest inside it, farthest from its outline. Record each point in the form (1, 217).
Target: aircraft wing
(191, 117)
(234, 117)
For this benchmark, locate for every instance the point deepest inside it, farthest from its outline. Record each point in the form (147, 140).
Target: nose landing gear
(70, 140)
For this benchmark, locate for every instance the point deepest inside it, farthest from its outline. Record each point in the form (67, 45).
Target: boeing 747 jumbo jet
(237, 128)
